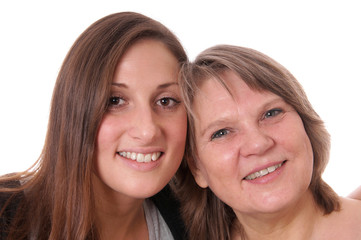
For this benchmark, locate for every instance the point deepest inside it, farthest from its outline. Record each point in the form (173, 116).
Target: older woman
(257, 152)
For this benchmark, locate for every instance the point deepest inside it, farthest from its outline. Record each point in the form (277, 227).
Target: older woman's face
(141, 139)
(253, 150)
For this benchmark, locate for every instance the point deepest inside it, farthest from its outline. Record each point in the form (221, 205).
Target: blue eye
(273, 113)
(220, 133)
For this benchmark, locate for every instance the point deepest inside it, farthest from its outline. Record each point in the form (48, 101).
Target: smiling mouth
(140, 157)
(264, 172)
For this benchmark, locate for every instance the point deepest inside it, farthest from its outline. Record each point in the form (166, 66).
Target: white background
(318, 41)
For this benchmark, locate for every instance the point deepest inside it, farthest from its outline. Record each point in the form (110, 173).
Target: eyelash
(272, 113)
(220, 133)
(168, 99)
(115, 102)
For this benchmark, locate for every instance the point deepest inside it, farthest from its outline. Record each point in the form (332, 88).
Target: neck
(118, 216)
(294, 222)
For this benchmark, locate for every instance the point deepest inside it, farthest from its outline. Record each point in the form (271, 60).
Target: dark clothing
(168, 207)
(10, 210)
(166, 203)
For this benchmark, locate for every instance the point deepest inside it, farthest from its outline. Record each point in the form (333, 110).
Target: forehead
(214, 100)
(145, 51)
(229, 83)
(147, 60)
(217, 89)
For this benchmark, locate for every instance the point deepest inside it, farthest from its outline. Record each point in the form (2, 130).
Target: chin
(147, 191)
(272, 203)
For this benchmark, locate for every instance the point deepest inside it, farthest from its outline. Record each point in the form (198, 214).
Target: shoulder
(350, 208)
(346, 223)
(169, 208)
(9, 199)
(356, 194)
(351, 218)
(9, 203)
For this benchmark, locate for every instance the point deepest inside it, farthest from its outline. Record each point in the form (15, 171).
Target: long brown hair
(206, 216)
(58, 202)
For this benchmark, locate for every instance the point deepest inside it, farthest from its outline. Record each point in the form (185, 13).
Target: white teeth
(155, 156)
(271, 169)
(263, 172)
(140, 157)
(147, 158)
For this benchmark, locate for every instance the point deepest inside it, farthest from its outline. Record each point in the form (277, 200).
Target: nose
(255, 142)
(144, 125)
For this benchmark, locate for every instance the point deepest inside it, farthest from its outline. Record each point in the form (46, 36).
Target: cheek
(218, 162)
(176, 128)
(294, 139)
(308, 151)
(298, 147)
(301, 145)
(106, 133)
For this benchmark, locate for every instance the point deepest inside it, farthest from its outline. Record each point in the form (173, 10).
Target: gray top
(157, 227)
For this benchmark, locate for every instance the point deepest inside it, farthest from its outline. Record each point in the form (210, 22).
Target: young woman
(116, 137)
(257, 152)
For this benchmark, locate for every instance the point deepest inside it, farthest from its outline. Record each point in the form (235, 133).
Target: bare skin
(356, 194)
(113, 212)
(306, 225)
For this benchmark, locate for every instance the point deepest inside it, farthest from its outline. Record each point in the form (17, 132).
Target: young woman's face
(141, 139)
(253, 150)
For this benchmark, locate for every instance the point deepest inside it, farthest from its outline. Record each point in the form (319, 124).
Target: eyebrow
(225, 119)
(215, 123)
(275, 100)
(120, 85)
(162, 86)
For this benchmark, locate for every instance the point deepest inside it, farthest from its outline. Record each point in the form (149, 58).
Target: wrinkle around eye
(219, 134)
(273, 112)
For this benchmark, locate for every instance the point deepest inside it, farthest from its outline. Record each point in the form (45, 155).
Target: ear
(200, 180)
(198, 175)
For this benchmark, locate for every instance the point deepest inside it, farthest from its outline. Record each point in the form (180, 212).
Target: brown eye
(115, 102)
(167, 102)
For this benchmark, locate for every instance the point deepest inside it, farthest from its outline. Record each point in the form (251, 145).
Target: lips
(141, 157)
(264, 171)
